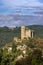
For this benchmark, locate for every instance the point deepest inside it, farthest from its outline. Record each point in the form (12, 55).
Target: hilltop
(7, 34)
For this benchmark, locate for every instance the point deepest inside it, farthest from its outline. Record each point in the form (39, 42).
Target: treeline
(7, 35)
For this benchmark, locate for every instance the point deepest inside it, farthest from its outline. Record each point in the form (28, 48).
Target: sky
(20, 7)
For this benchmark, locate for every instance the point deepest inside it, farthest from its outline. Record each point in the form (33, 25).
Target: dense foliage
(7, 35)
(33, 55)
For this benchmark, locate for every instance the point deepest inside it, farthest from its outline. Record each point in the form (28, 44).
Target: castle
(26, 33)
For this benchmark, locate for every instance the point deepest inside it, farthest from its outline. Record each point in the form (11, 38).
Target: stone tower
(22, 32)
(26, 33)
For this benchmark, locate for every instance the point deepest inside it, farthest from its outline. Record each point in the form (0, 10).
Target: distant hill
(38, 29)
(8, 34)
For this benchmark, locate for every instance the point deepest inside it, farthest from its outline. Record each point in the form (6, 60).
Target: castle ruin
(26, 33)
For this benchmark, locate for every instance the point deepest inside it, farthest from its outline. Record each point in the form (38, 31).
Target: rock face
(22, 48)
(19, 57)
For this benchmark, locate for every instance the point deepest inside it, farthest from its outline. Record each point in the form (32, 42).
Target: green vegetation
(30, 51)
(33, 55)
(7, 35)
(38, 29)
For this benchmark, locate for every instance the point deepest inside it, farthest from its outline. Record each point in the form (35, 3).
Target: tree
(1, 54)
(14, 47)
(36, 57)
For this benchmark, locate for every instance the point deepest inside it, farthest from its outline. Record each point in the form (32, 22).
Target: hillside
(7, 35)
(38, 29)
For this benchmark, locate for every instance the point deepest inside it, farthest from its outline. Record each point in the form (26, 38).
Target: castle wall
(26, 33)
